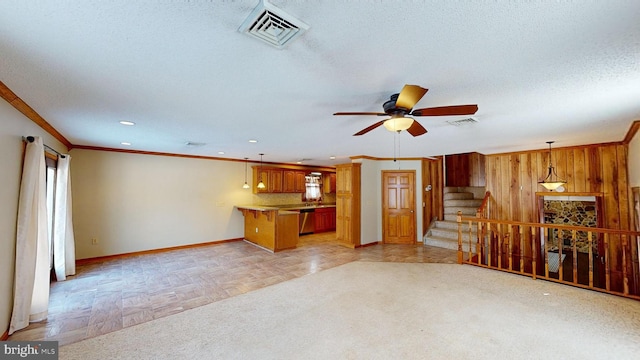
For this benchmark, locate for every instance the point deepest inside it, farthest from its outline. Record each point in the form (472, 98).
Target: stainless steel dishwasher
(307, 221)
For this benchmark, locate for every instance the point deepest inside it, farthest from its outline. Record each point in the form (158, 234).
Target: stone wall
(572, 213)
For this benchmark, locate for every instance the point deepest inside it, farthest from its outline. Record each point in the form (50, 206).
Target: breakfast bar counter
(270, 227)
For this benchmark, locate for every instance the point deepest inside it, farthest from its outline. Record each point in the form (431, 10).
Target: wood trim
(543, 150)
(555, 193)
(154, 251)
(366, 157)
(15, 101)
(4, 336)
(202, 157)
(633, 129)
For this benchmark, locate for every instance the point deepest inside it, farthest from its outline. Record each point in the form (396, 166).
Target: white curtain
(64, 250)
(31, 284)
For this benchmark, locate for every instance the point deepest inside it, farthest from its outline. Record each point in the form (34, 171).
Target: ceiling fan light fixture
(397, 124)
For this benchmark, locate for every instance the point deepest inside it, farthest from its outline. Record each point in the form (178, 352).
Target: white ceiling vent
(272, 25)
(463, 122)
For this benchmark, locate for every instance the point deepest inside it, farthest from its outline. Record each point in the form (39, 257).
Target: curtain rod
(31, 139)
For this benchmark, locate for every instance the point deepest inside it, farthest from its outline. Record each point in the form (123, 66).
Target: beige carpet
(372, 310)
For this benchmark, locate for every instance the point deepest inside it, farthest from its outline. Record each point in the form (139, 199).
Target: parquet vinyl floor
(109, 295)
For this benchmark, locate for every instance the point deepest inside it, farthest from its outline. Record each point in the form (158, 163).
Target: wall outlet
(94, 241)
(256, 229)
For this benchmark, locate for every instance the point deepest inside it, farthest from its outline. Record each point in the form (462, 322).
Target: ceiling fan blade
(360, 113)
(416, 129)
(409, 96)
(366, 130)
(446, 110)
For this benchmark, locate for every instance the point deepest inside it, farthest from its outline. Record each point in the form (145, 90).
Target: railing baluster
(625, 280)
(479, 249)
(534, 240)
(545, 238)
(459, 221)
(499, 228)
(510, 234)
(469, 241)
(489, 249)
(606, 262)
(559, 234)
(590, 237)
(575, 255)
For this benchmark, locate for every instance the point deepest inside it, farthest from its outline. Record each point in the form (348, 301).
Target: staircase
(444, 234)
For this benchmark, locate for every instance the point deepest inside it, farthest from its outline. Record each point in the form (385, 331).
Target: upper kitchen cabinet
(279, 180)
(329, 183)
(272, 179)
(293, 181)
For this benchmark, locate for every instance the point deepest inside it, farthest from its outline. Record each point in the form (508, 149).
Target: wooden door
(398, 207)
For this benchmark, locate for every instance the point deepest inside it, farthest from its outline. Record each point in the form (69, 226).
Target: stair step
(458, 196)
(444, 233)
(447, 243)
(467, 211)
(451, 225)
(463, 202)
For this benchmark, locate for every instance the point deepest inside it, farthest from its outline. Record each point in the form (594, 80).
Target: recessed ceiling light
(298, 162)
(220, 152)
(125, 143)
(332, 157)
(253, 141)
(128, 123)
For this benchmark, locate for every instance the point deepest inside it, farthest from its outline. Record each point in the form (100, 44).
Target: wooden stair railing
(483, 210)
(550, 252)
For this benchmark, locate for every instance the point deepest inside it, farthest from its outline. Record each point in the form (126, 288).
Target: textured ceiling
(538, 70)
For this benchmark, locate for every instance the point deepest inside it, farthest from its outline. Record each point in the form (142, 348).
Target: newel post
(459, 220)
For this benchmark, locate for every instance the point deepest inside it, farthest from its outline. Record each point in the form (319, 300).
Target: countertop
(282, 209)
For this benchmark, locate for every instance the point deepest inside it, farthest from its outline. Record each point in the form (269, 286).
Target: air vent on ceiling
(193, 143)
(272, 25)
(463, 122)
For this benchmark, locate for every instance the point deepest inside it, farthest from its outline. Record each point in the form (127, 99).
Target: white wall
(634, 161)
(371, 196)
(135, 202)
(13, 126)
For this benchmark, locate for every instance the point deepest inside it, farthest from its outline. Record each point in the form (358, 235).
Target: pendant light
(246, 185)
(551, 182)
(261, 184)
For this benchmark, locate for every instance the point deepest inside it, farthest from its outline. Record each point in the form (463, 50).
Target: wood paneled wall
(512, 179)
(432, 175)
(465, 169)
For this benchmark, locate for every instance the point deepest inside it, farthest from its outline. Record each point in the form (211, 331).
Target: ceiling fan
(400, 105)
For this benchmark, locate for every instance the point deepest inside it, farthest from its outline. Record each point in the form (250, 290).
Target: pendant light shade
(551, 182)
(246, 185)
(261, 184)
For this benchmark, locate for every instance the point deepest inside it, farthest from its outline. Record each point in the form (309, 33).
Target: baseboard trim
(154, 251)
(5, 336)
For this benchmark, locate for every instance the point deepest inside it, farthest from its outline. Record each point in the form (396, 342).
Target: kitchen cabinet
(272, 179)
(293, 181)
(348, 204)
(329, 183)
(325, 219)
(284, 180)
